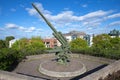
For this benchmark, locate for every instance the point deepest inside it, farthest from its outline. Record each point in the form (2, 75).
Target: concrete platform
(30, 66)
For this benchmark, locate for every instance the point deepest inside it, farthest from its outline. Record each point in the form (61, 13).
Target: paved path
(30, 68)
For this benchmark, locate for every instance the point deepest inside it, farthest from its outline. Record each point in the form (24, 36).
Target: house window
(47, 42)
(74, 37)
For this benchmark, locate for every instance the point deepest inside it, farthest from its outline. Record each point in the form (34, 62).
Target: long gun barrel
(60, 38)
(51, 26)
(62, 56)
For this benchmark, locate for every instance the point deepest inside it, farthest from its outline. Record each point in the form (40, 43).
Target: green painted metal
(62, 52)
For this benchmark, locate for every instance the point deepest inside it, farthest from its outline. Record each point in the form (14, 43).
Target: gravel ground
(30, 68)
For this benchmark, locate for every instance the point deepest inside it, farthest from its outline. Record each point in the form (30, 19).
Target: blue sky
(19, 19)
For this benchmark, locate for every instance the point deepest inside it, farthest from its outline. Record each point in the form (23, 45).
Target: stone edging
(114, 67)
(4, 75)
(62, 74)
(81, 56)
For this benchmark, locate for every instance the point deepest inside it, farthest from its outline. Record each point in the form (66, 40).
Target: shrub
(30, 46)
(9, 58)
(78, 44)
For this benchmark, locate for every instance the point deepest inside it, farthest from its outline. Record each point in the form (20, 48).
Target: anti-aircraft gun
(64, 49)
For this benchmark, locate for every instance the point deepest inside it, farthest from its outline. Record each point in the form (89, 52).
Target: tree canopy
(102, 41)
(115, 43)
(31, 44)
(2, 44)
(78, 44)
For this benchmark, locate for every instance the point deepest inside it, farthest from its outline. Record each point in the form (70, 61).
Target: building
(53, 42)
(50, 42)
(77, 34)
(73, 35)
(114, 33)
(89, 39)
(11, 42)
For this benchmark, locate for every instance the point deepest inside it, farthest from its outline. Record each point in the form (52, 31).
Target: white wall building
(91, 40)
(73, 35)
(11, 42)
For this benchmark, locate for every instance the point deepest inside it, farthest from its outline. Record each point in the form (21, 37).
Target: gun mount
(64, 49)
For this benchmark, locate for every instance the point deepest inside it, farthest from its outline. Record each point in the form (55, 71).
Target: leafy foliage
(115, 43)
(78, 44)
(103, 46)
(30, 46)
(9, 58)
(102, 41)
(2, 44)
(20, 44)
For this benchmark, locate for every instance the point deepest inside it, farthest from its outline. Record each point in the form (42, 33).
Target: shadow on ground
(89, 72)
(74, 78)
(33, 76)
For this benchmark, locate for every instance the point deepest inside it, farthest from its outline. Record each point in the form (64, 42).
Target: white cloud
(116, 23)
(68, 19)
(39, 29)
(32, 11)
(1, 29)
(11, 26)
(68, 16)
(30, 29)
(89, 28)
(21, 28)
(114, 16)
(63, 17)
(95, 14)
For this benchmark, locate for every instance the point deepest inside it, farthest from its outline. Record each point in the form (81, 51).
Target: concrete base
(54, 73)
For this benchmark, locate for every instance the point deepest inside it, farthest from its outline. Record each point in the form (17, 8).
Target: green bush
(110, 53)
(9, 58)
(30, 46)
(2, 44)
(103, 46)
(78, 44)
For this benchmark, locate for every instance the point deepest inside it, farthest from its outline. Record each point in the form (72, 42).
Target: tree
(78, 44)
(34, 45)
(20, 44)
(8, 38)
(2, 44)
(102, 41)
(115, 43)
(9, 58)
